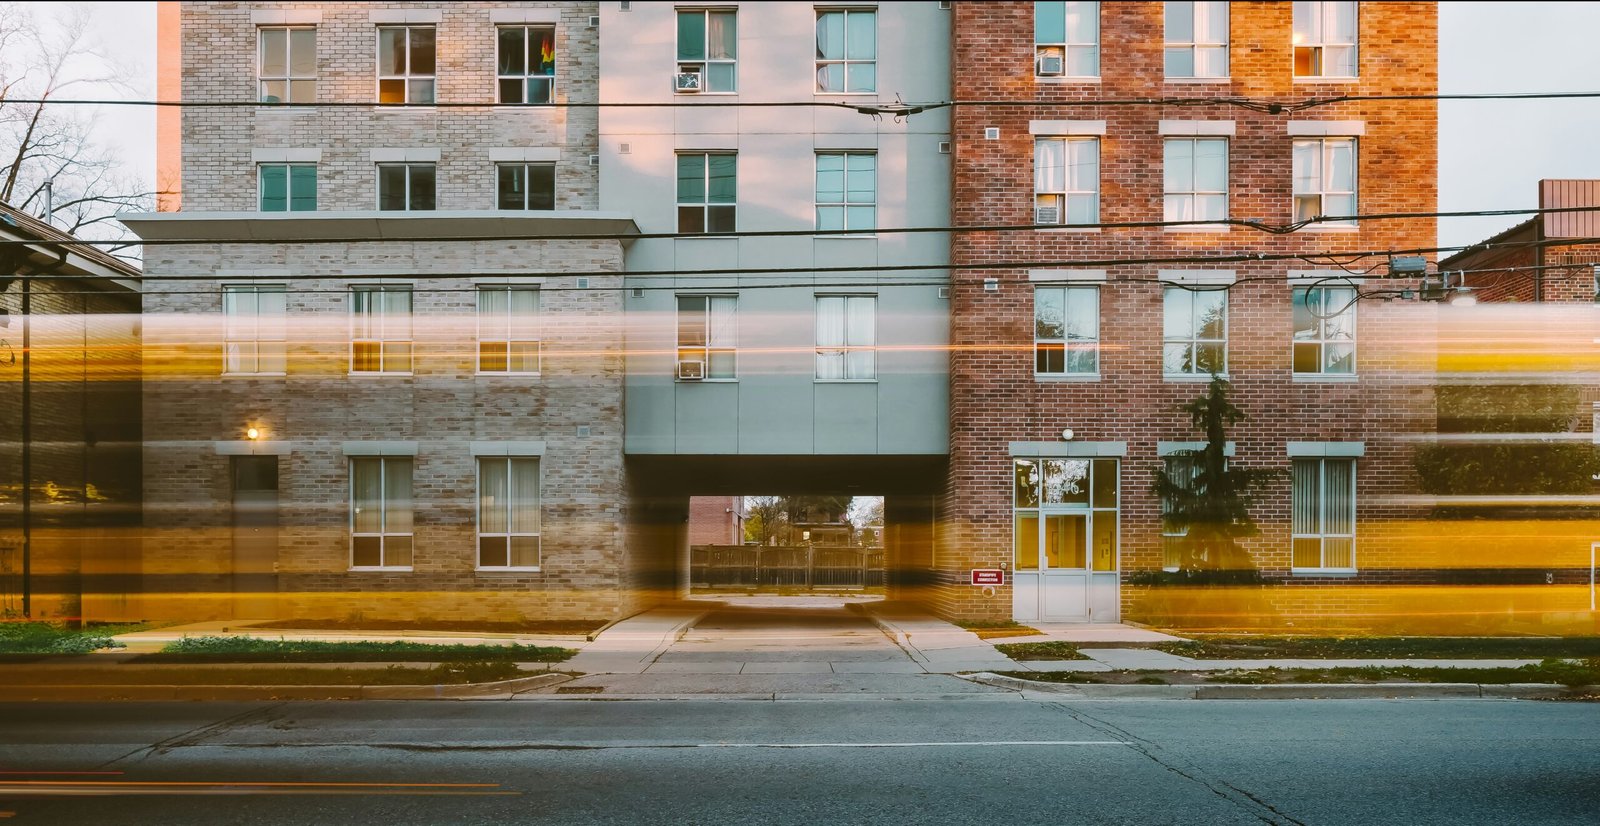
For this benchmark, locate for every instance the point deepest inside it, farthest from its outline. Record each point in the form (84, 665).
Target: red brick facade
(996, 398)
(716, 520)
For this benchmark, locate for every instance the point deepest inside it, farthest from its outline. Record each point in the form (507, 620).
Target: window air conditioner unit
(686, 82)
(1051, 65)
(691, 370)
(1047, 215)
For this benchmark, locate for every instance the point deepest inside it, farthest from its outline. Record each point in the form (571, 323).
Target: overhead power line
(1271, 229)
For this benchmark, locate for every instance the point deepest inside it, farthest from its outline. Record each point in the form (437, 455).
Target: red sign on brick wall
(988, 576)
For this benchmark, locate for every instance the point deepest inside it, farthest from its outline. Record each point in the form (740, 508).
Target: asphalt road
(990, 761)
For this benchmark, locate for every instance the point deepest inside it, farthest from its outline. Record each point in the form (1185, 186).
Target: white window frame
(527, 177)
(847, 62)
(846, 204)
(1194, 340)
(506, 336)
(1322, 14)
(1197, 12)
(1321, 340)
(288, 183)
(408, 76)
(1066, 45)
(705, 204)
(1064, 196)
(705, 64)
(1322, 518)
(715, 342)
(381, 320)
(1188, 465)
(851, 370)
(1193, 192)
(527, 76)
(259, 335)
(508, 534)
(409, 166)
(1067, 343)
(383, 533)
(288, 78)
(1324, 189)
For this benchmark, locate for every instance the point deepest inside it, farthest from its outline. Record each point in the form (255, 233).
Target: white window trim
(705, 204)
(1065, 46)
(1322, 521)
(1322, 26)
(383, 497)
(845, 204)
(1355, 336)
(847, 347)
(1195, 340)
(256, 340)
(1322, 192)
(381, 339)
(705, 14)
(288, 66)
(847, 62)
(377, 188)
(1193, 192)
(407, 77)
(1066, 375)
(677, 320)
(1194, 45)
(538, 339)
(527, 28)
(1065, 194)
(477, 493)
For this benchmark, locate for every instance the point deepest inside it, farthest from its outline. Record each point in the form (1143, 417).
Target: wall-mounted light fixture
(252, 433)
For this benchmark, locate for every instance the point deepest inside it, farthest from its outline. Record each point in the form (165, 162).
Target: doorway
(255, 536)
(1065, 560)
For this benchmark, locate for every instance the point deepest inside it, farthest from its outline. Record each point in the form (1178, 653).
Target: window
(1182, 470)
(1060, 493)
(1325, 39)
(1325, 179)
(1196, 175)
(1066, 38)
(847, 50)
(1325, 330)
(508, 512)
(1324, 514)
(380, 340)
(1066, 331)
(1197, 39)
(406, 187)
(508, 330)
(288, 63)
(846, 337)
(707, 190)
(253, 329)
(1195, 332)
(525, 185)
(380, 512)
(527, 64)
(706, 334)
(405, 64)
(708, 45)
(847, 191)
(1066, 181)
(288, 187)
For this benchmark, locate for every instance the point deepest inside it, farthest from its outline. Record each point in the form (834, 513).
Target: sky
(1491, 154)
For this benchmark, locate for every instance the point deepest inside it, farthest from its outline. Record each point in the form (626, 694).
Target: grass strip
(253, 650)
(564, 627)
(997, 629)
(1227, 647)
(1052, 650)
(51, 638)
(1554, 671)
(444, 674)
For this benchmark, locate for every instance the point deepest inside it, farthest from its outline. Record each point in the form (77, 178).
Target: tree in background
(44, 144)
(1210, 505)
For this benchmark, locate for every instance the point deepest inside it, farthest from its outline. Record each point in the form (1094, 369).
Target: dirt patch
(1052, 650)
(1264, 647)
(1558, 672)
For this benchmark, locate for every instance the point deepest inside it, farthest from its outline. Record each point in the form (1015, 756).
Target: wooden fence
(755, 568)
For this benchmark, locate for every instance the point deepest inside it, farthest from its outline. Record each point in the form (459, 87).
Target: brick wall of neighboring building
(716, 520)
(995, 397)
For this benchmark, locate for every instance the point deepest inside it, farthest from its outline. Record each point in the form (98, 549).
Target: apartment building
(369, 394)
(1074, 347)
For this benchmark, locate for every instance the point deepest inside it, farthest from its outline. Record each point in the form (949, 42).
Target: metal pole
(27, 448)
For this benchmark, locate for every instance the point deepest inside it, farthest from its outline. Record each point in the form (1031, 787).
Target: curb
(1286, 691)
(504, 689)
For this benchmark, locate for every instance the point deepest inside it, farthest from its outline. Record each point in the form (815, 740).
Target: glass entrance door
(1065, 541)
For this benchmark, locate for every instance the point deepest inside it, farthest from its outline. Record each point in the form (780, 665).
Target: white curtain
(830, 337)
(492, 482)
(1049, 166)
